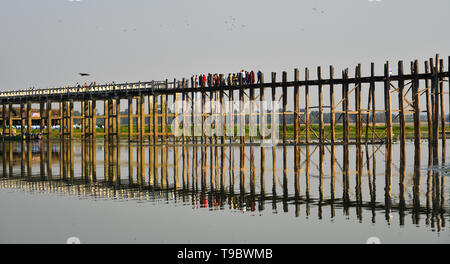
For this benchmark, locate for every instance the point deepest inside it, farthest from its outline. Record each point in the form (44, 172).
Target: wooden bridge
(410, 89)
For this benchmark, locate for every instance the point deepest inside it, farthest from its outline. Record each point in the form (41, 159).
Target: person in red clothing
(204, 79)
(252, 77)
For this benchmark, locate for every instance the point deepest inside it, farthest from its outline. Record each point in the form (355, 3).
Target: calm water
(106, 192)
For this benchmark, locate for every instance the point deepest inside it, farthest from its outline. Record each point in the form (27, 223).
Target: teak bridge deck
(409, 87)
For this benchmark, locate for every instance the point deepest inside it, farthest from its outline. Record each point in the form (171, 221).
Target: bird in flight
(84, 74)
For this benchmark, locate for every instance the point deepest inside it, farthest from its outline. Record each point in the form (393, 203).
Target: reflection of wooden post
(333, 172)
(106, 159)
(416, 183)
(321, 162)
(307, 171)
(130, 164)
(297, 170)
(388, 181)
(49, 159)
(29, 159)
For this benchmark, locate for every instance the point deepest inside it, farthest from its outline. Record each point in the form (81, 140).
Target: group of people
(214, 80)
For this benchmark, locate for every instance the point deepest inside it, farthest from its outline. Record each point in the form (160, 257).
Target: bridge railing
(85, 89)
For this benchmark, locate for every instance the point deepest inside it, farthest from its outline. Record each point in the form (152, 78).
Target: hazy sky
(46, 43)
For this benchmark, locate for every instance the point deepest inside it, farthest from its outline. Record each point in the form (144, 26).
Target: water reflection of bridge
(238, 177)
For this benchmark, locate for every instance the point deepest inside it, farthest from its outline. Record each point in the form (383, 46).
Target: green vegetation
(379, 131)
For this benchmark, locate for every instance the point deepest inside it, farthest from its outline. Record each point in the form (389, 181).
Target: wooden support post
(155, 120)
(10, 121)
(42, 117)
(358, 104)
(428, 104)
(284, 102)
(274, 126)
(22, 121)
(150, 119)
(307, 106)
(130, 118)
(107, 110)
(242, 111)
(93, 111)
(164, 112)
(3, 124)
(387, 102)
(296, 107)
(49, 118)
(252, 127)
(401, 95)
(231, 115)
(29, 121)
(435, 110)
(83, 118)
(117, 121)
(223, 123)
(416, 97)
(442, 104)
(62, 106)
(320, 88)
(194, 126)
(333, 107)
(372, 95)
(345, 105)
(141, 120)
(71, 114)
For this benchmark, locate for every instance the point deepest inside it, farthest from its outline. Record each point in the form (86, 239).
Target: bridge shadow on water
(400, 180)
